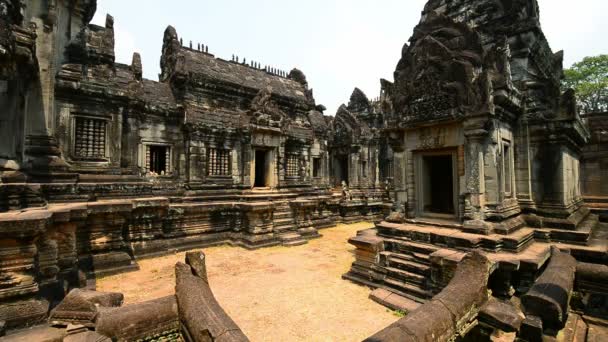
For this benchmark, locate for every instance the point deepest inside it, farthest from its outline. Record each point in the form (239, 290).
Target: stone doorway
(341, 170)
(437, 187)
(262, 169)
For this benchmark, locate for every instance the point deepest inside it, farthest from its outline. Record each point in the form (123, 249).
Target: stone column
(475, 182)
(400, 184)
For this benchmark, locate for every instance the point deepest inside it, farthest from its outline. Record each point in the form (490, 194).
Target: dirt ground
(278, 293)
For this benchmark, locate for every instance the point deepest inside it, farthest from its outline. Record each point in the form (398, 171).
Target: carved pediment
(359, 103)
(347, 129)
(441, 73)
(264, 111)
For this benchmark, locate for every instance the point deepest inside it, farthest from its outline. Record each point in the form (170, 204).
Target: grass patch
(400, 313)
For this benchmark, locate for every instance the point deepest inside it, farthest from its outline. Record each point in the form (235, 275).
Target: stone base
(26, 313)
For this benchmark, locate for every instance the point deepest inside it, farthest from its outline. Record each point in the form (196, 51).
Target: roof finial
(206, 48)
(181, 42)
(199, 47)
(190, 44)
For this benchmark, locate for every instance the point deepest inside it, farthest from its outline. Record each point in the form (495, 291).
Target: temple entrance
(262, 169)
(341, 169)
(437, 188)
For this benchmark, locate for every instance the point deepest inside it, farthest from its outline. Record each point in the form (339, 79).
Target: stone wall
(49, 251)
(594, 165)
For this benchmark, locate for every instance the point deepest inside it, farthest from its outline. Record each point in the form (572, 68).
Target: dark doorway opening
(438, 185)
(316, 167)
(341, 171)
(158, 159)
(261, 162)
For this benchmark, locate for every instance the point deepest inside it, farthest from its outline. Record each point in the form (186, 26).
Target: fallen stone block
(201, 317)
(502, 315)
(82, 307)
(532, 329)
(152, 319)
(86, 336)
(24, 313)
(549, 297)
(37, 334)
(592, 277)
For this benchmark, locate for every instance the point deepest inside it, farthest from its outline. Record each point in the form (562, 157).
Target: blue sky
(338, 44)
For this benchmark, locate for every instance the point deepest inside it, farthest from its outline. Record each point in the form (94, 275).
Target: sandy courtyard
(275, 294)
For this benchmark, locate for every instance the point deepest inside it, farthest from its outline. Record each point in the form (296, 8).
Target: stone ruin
(485, 182)
(488, 155)
(100, 167)
(191, 314)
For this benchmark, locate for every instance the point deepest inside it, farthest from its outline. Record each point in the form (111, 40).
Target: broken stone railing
(546, 304)
(452, 312)
(191, 315)
(201, 317)
(592, 285)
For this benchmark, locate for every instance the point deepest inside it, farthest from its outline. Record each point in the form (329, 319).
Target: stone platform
(49, 250)
(416, 261)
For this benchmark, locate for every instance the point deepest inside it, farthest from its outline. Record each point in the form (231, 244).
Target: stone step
(411, 246)
(278, 216)
(518, 241)
(290, 236)
(581, 235)
(283, 222)
(422, 258)
(393, 300)
(409, 266)
(409, 290)
(294, 243)
(291, 239)
(405, 276)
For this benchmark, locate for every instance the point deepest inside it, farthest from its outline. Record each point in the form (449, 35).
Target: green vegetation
(589, 78)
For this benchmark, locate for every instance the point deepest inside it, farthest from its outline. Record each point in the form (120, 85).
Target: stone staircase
(581, 234)
(406, 268)
(285, 226)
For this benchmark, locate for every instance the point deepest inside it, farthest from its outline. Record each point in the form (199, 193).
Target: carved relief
(431, 138)
(441, 74)
(265, 112)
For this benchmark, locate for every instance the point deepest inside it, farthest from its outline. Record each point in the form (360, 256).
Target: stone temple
(487, 187)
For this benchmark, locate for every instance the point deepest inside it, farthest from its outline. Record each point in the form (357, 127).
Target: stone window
(316, 167)
(219, 162)
(158, 159)
(291, 169)
(90, 138)
(507, 170)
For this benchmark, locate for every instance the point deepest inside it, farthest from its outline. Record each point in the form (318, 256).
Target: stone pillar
(377, 166)
(353, 169)
(246, 157)
(396, 141)
(475, 182)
